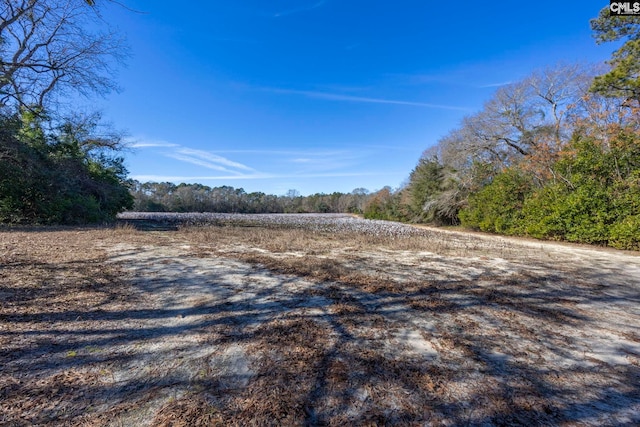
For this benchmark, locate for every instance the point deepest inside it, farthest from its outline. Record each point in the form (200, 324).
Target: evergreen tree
(623, 80)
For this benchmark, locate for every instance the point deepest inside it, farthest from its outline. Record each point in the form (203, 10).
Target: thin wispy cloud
(464, 78)
(339, 174)
(300, 9)
(256, 176)
(420, 79)
(303, 161)
(198, 162)
(213, 158)
(300, 153)
(349, 98)
(137, 143)
(490, 85)
(327, 162)
(196, 157)
(184, 178)
(287, 165)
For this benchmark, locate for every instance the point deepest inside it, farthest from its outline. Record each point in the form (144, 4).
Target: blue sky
(321, 95)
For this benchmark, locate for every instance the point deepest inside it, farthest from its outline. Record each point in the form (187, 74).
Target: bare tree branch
(46, 47)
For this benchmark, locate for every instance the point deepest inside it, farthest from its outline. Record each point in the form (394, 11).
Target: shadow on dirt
(504, 351)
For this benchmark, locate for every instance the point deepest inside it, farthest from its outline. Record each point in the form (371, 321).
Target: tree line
(555, 155)
(169, 197)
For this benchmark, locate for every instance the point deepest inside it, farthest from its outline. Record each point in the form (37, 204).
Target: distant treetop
(623, 80)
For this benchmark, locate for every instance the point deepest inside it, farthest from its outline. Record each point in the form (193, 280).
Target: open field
(314, 320)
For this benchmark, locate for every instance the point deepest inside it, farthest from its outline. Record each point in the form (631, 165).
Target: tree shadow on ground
(497, 351)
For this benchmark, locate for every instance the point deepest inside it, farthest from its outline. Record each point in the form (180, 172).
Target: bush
(497, 207)
(625, 234)
(598, 200)
(542, 213)
(385, 205)
(51, 179)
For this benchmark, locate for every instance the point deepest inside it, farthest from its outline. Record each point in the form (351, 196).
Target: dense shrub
(595, 197)
(625, 234)
(542, 213)
(381, 205)
(55, 178)
(498, 206)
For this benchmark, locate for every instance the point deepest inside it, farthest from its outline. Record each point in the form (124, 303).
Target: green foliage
(385, 205)
(596, 198)
(49, 179)
(434, 194)
(425, 182)
(543, 158)
(625, 234)
(623, 80)
(587, 214)
(542, 217)
(497, 207)
(578, 215)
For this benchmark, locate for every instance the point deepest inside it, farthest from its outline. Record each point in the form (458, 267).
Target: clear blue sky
(321, 95)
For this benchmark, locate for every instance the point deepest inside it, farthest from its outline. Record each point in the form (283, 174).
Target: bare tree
(530, 120)
(51, 46)
(525, 123)
(534, 112)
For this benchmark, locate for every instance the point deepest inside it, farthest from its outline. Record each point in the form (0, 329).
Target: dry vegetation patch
(282, 325)
(55, 287)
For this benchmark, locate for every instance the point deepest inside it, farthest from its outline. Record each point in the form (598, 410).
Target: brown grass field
(232, 325)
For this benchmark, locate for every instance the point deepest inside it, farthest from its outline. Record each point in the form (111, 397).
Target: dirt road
(230, 325)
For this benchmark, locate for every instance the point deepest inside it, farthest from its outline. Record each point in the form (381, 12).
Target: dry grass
(51, 278)
(285, 326)
(345, 257)
(533, 304)
(188, 411)
(282, 239)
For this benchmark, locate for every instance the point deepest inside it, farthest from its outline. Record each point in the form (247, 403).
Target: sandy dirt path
(481, 331)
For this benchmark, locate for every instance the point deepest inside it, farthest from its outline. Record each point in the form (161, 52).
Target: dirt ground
(258, 326)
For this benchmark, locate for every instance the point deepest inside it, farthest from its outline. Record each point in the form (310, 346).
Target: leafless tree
(524, 117)
(530, 120)
(54, 46)
(524, 122)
